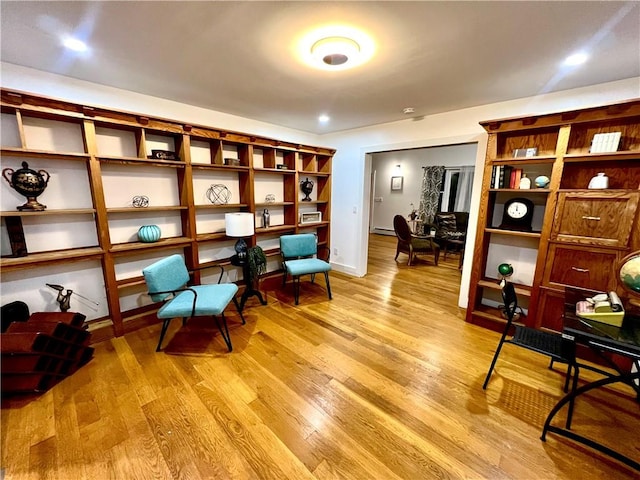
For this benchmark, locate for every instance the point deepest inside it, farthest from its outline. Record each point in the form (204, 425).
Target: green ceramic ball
(505, 269)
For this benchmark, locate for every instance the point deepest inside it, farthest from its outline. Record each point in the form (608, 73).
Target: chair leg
(326, 277)
(235, 301)
(284, 277)
(224, 330)
(410, 256)
(397, 252)
(493, 363)
(165, 325)
(296, 288)
(436, 256)
(313, 277)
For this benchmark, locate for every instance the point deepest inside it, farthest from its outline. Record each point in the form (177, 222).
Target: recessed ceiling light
(323, 118)
(75, 44)
(335, 51)
(576, 59)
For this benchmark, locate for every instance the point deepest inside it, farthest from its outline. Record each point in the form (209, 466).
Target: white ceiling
(238, 57)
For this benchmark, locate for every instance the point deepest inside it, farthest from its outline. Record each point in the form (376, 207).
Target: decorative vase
(29, 183)
(307, 187)
(525, 182)
(600, 181)
(149, 233)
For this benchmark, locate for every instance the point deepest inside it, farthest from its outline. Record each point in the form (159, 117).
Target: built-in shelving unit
(578, 235)
(100, 159)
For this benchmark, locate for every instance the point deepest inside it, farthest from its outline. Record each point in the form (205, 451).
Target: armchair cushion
(211, 300)
(306, 266)
(166, 275)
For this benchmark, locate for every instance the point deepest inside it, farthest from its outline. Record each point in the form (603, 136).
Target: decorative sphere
(630, 274)
(542, 181)
(505, 269)
(149, 233)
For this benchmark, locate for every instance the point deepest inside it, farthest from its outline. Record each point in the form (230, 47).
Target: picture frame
(310, 217)
(396, 183)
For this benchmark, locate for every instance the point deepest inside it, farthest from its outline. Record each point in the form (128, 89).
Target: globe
(542, 181)
(630, 273)
(505, 269)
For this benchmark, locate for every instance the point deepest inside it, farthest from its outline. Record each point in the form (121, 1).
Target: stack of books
(504, 176)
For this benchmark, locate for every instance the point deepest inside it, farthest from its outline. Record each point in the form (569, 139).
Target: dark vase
(307, 187)
(29, 183)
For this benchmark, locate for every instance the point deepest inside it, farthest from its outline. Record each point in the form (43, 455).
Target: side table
(249, 281)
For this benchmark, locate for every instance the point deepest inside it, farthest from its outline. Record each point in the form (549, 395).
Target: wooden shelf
(207, 237)
(146, 209)
(224, 206)
(314, 224)
(46, 213)
(281, 171)
(274, 204)
(24, 152)
(143, 161)
(274, 229)
(524, 191)
(522, 290)
(232, 168)
(162, 243)
(513, 233)
(598, 157)
(304, 173)
(524, 160)
(45, 258)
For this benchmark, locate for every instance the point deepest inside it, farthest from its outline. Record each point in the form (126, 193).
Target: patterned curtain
(430, 193)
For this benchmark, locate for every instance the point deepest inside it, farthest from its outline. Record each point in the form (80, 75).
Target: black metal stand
(249, 281)
(569, 398)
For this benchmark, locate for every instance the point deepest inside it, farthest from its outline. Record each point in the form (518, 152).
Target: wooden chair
(299, 257)
(167, 282)
(412, 244)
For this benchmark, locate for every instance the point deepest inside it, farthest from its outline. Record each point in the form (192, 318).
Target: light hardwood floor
(382, 382)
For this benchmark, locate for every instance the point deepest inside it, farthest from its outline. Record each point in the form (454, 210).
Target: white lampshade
(239, 224)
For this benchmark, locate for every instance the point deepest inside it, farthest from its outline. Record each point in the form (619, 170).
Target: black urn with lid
(307, 187)
(28, 182)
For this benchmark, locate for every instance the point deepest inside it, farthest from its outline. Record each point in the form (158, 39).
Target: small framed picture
(310, 217)
(396, 183)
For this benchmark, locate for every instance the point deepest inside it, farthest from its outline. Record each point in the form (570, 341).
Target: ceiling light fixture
(323, 118)
(576, 59)
(335, 47)
(335, 51)
(75, 44)
(408, 110)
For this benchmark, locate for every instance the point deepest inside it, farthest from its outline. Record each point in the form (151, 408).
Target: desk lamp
(239, 225)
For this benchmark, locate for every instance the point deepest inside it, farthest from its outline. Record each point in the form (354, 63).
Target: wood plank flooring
(382, 382)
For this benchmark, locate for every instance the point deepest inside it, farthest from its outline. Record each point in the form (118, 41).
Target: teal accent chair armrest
(300, 257)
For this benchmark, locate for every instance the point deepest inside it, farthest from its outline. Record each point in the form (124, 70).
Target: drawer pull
(581, 270)
(587, 217)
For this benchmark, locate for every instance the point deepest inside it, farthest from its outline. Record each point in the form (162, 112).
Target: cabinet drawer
(595, 218)
(579, 267)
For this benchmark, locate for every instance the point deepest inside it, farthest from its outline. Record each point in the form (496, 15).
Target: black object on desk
(625, 341)
(249, 281)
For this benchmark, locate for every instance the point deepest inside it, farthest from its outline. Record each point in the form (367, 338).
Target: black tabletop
(625, 338)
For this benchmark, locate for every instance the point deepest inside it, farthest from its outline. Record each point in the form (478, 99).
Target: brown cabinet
(595, 217)
(579, 235)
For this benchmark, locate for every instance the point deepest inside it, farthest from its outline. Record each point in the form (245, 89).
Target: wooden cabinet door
(595, 217)
(580, 266)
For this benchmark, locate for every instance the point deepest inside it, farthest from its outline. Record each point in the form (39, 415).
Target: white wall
(384, 165)
(352, 164)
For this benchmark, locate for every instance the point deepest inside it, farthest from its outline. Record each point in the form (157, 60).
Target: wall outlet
(335, 251)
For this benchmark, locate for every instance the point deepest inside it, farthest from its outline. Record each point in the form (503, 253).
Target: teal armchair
(300, 257)
(167, 281)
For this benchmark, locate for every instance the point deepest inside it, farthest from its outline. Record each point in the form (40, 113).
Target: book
(505, 180)
(518, 176)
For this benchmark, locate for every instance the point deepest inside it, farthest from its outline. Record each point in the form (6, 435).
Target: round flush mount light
(335, 51)
(335, 47)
